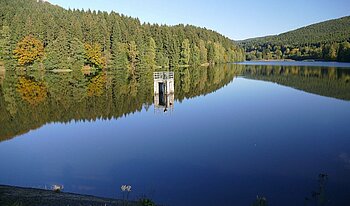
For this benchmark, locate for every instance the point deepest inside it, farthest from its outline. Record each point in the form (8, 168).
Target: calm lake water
(229, 133)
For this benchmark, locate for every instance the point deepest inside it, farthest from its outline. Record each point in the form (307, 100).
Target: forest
(37, 34)
(327, 41)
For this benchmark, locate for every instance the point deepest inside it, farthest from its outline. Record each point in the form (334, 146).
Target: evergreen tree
(321, 41)
(203, 52)
(57, 56)
(5, 43)
(211, 53)
(162, 60)
(120, 56)
(171, 45)
(185, 52)
(195, 55)
(150, 57)
(133, 57)
(76, 53)
(344, 52)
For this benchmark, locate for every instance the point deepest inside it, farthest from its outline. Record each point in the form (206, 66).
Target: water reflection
(345, 158)
(325, 81)
(32, 91)
(319, 196)
(265, 139)
(164, 91)
(2, 75)
(31, 99)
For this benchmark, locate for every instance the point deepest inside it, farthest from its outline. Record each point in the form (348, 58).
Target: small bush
(147, 202)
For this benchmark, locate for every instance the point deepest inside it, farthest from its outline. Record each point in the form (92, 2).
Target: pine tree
(77, 53)
(195, 55)
(203, 52)
(150, 56)
(47, 23)
(57, 53)
(344, 52)
(185, 52)
(162, 60)
(120, 56)
(133, 57)
(5, 43)
(211, 53)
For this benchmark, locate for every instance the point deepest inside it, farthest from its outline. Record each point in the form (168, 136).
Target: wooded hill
(41, 34)
(327, 40)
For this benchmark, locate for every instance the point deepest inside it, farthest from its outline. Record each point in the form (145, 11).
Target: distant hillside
(35, 32)
(327, 40)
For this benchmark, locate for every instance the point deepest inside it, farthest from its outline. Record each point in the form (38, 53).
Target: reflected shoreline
(29, 100)
(296, 63)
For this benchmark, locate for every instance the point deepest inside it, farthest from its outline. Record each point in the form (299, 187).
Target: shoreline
(292, 60)
(297, 63)
(12, 195)
(273, 60)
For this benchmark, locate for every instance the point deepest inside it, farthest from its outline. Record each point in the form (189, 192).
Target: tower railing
(163, 75)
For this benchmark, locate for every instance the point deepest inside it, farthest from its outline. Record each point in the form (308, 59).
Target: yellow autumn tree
(28, 50)
(96, 86)
(34, 92)
(94, 55)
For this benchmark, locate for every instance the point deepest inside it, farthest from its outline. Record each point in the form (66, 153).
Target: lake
(222, 135)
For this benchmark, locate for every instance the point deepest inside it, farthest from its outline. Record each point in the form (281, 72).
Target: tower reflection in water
(163, 91)
(2, 74)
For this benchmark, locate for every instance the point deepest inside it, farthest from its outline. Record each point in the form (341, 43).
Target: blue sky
(234, 19)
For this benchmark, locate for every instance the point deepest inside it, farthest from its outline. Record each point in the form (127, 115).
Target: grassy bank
(17, 196)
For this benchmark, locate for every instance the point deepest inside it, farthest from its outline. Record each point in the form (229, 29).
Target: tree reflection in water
(29, 100)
